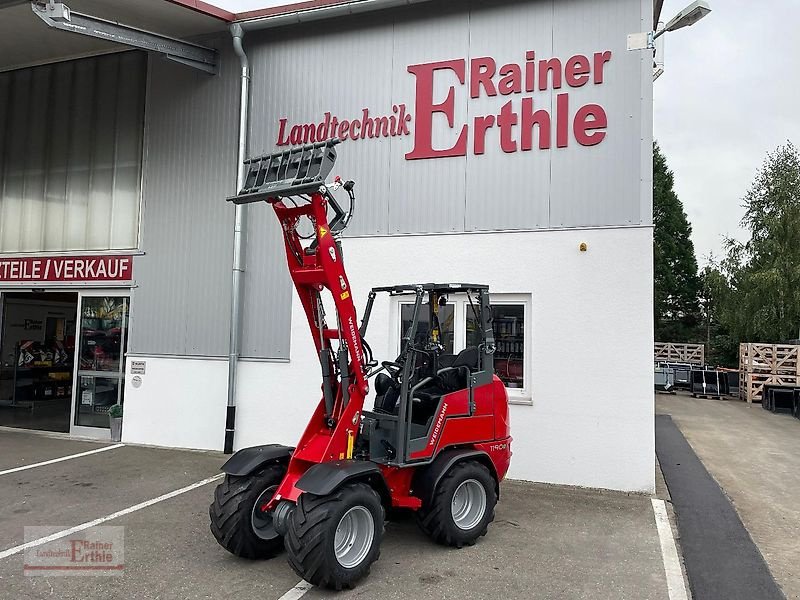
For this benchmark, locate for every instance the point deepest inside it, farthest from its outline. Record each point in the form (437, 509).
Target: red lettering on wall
(523, 109)
(577, 71)
(481, 72)
(590, 118)
(562, 120)
(506, 122)
(482, 124)
(546, 67)
(511, 83)
(530, 119)
(530, 71)
(600, 60)
(427, 108)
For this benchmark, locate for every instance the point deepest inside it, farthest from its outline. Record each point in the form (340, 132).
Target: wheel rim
(469, 504)
(354, 535)
(261, 521)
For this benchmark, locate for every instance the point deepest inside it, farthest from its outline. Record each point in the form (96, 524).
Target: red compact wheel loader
(436, 442)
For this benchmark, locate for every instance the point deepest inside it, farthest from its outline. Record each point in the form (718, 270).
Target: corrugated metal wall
(361, 62)
(181, 306)
(70, 154)
(182, 303)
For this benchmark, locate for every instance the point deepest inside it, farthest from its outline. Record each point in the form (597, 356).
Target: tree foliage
(754, 291)
(677, 285)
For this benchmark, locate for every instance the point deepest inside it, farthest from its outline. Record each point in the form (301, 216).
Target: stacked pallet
(690, 354)
(766, 365)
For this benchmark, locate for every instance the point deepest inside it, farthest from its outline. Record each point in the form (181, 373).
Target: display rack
(39, 382)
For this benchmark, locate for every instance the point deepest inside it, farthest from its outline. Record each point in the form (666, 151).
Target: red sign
(523, 123)
(66, 269)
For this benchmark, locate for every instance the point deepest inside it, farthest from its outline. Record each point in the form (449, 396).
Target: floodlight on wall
(686, 18)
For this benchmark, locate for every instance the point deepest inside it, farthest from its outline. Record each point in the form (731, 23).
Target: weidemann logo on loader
(438, 429)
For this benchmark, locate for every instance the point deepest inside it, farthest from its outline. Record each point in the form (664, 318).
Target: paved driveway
(547, 542)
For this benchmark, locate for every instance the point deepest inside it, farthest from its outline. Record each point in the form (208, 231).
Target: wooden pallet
(766, 364)
(775, 359)
(693, 354)
(751, 385)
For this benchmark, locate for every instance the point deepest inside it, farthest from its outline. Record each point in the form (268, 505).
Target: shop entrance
(62, 359)
(37, 359)
(102, 344)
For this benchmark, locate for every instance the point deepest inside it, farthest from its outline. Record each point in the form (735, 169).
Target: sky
(727, 97)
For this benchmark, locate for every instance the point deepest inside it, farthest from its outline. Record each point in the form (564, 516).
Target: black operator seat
(455, 380)
(450, 381)
(387, 393)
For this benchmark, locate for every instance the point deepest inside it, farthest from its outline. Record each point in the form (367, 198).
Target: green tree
(762, 302)
(677, 284)
(722, 348)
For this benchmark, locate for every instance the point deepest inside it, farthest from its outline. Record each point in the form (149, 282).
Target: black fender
(325, 478)
(249, 460)
(427, 478)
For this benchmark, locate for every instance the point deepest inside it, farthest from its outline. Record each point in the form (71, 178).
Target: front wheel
(331, 541)
(237, 521)
(462, 506)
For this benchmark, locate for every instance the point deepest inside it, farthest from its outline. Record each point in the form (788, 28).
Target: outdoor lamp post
(685, 18)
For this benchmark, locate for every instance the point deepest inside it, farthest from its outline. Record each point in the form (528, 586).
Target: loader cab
(425, 384)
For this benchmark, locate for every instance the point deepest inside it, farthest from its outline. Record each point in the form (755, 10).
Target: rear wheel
(237, 521)
(332, 541)
(462, 506)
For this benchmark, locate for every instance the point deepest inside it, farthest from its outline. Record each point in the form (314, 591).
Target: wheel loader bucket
(292, 172)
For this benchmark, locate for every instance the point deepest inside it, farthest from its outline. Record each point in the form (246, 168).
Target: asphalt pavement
(547, 541)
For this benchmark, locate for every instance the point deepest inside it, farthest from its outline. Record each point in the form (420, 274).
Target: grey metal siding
(362, 62)
(181, 304)
(267, 301)
(70, 154)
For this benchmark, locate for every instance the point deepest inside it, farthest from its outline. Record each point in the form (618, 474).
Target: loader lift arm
(281, 179)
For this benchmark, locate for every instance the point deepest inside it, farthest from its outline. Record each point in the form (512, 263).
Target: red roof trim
(289, 8)
(206, 9)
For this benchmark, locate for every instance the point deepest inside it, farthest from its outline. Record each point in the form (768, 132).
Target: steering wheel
(393, 368)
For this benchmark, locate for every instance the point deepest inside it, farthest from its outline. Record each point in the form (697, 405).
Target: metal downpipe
(239, 231)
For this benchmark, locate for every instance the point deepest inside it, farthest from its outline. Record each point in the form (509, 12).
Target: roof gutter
(315, 11)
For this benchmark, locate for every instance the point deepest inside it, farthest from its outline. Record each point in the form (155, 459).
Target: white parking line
(676, 586)
(297, 591)
(125, 511)
(58, 460)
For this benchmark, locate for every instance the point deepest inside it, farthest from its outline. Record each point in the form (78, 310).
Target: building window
(512, 331)
(509, 336)
(71, 154)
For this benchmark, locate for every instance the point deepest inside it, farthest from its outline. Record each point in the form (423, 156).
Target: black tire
(231, 514)
(311, 534)
(436, 517)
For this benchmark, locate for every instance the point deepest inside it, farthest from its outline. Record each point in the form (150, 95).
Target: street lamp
(686, 18)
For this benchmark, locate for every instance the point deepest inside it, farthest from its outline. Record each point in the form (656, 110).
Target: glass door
(101, 358)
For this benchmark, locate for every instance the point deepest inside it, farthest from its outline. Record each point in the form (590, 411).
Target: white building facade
(507, 143)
